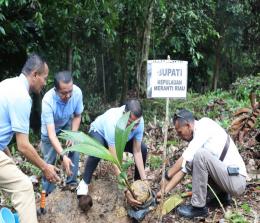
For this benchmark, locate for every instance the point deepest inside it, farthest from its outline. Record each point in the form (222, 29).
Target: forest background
(106, 44)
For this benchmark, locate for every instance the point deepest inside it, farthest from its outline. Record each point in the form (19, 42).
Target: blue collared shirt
(59, 113)
(105, 125)
(15, 108)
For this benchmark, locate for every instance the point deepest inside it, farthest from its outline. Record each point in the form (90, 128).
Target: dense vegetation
(107, 43)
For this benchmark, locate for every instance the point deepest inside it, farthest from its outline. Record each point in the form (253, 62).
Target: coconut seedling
(87, 145)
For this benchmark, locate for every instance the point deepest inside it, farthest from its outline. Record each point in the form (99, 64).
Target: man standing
(103, 130)
(15, 109)
(211, 157)
(61, 109)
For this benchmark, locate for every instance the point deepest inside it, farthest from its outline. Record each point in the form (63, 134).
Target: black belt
(224, 151)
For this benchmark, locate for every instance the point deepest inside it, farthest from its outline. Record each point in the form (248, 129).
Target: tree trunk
(123, 65)
(122, 61)
(141, 70)
(69, 58)
(216, 67)
(103, 78)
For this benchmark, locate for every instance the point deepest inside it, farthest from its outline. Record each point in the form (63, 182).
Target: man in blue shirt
(61, 109)
(15, 108)
(103, 130)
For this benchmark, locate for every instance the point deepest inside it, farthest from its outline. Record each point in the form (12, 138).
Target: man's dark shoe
(224, 198)
(188, 211)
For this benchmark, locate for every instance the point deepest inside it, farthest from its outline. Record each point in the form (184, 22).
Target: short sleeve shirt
(15, 108)
(59, 113)
(105, 125)
(209, 135)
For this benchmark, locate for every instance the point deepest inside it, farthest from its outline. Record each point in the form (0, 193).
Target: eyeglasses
(178, 116)
(65, 93)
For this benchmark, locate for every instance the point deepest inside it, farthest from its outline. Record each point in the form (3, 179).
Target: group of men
(211, 157)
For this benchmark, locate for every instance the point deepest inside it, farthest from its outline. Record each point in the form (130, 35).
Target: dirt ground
(62, 206)
(109, 205)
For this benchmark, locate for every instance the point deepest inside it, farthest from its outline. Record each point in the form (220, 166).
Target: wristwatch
(61, 157)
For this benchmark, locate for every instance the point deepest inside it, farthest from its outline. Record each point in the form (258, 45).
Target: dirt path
(62, 206)
(109, 203)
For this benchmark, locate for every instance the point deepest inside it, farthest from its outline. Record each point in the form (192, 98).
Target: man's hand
(159, 194)
(50, 173)
(67, 165)
(131, 200)
(165, 183)
(69, 143)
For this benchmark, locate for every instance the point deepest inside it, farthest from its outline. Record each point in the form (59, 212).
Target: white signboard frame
(167, 78)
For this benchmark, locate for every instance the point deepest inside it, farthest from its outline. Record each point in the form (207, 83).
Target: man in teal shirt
(61, 109)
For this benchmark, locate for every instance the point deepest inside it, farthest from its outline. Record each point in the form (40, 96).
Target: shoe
(72, 186)
(82, 189)
(188, 211)
(224, 198)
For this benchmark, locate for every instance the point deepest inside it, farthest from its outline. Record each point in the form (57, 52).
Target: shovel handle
(186, 194)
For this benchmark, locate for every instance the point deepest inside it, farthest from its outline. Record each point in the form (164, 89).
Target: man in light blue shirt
(103, 130)
(15, 108)
(61, 109)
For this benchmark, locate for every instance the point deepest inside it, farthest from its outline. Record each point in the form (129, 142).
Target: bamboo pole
(165, 132)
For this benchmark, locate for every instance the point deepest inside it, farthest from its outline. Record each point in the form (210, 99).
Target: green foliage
(127, 164)
(242, 87)
(85, 144)
(122, 132)
(94, 104)
(155, 162)
(29, 168)
(122, 178)
(257, 125)
(173, 142)
(231, 216)
(235, 217)
(202, 105)
(150, 113)
(225, 123)
(188, 186)
(85, 119)
(246, 207)
(105, 39)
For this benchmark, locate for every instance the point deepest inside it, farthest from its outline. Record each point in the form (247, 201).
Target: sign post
(166, 79)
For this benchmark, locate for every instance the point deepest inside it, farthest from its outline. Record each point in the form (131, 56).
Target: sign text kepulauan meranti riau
(167, 78)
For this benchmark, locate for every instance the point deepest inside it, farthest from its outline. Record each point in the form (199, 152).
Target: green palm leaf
(78, 137)
(121, 135)
(87, 145)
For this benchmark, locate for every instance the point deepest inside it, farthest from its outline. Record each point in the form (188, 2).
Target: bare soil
(109, 204)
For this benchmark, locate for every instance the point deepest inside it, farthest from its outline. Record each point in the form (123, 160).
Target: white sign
(167, 78)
